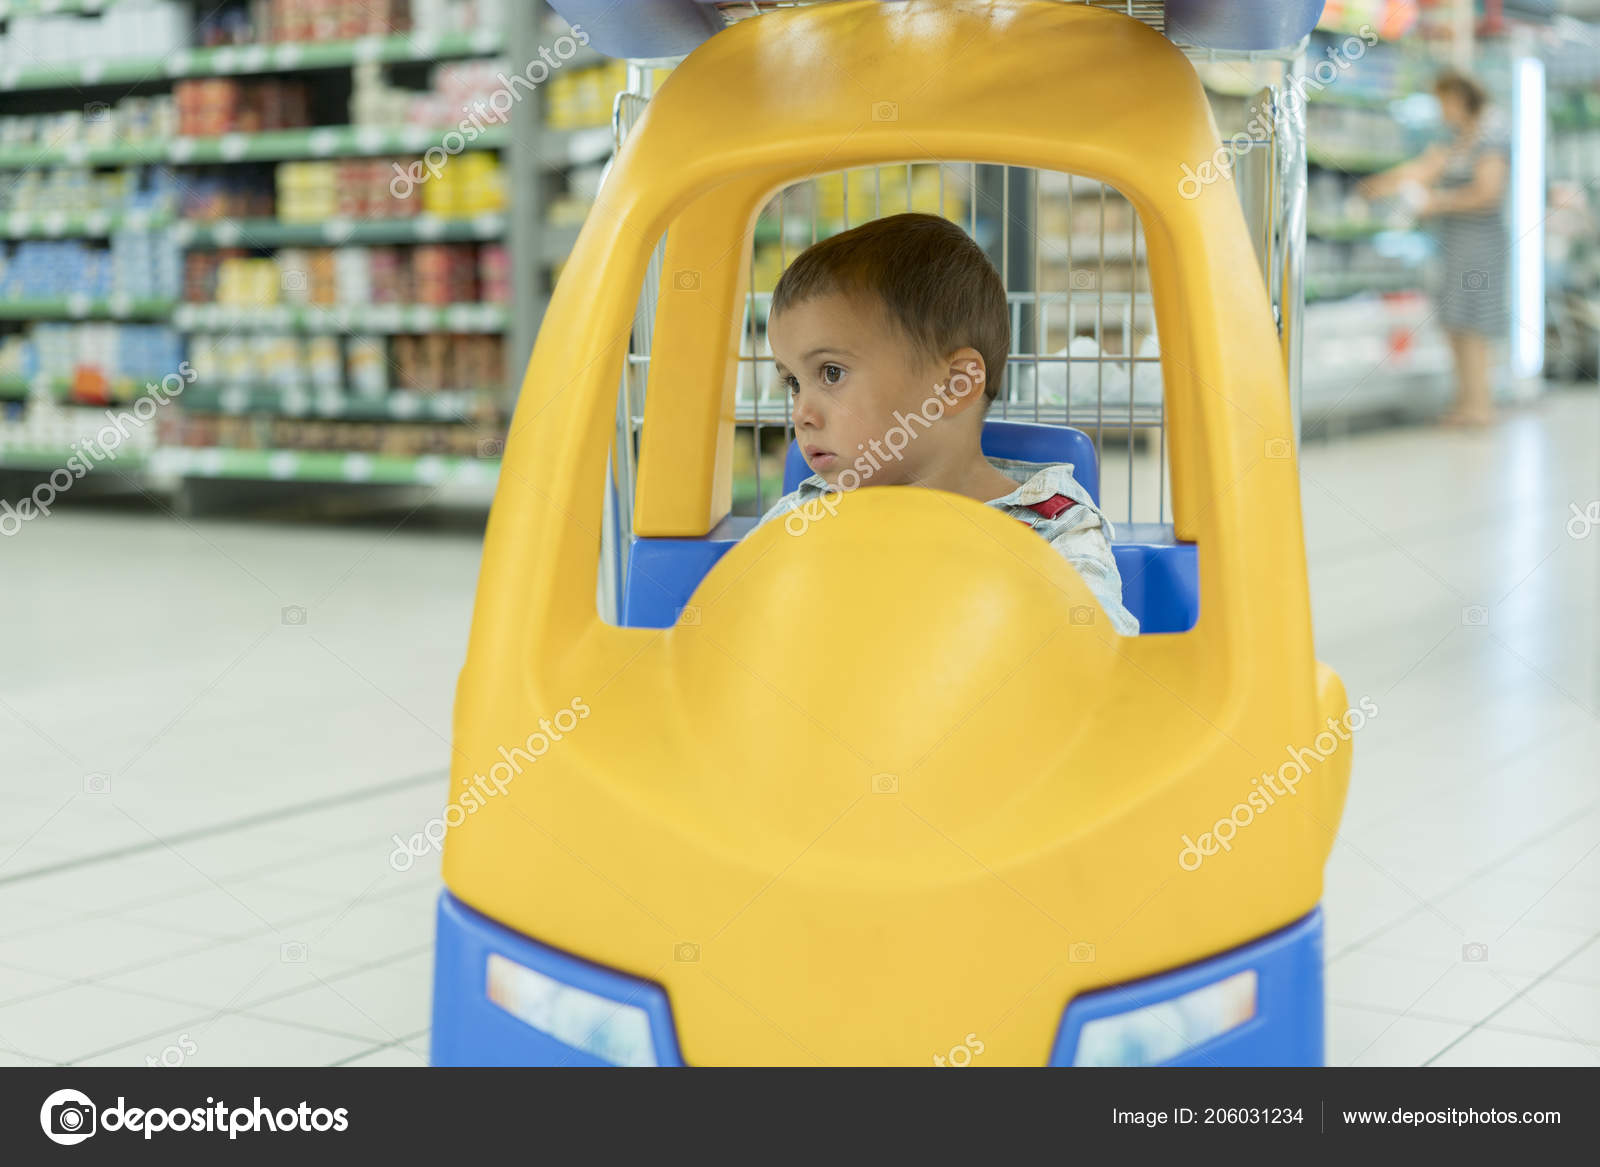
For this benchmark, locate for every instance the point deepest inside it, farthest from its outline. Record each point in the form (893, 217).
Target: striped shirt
(1079, 532)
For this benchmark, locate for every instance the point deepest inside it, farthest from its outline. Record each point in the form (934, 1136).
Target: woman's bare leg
(1469, 353)
(1477, 407)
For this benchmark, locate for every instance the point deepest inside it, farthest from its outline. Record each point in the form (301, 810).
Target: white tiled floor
(199, 796)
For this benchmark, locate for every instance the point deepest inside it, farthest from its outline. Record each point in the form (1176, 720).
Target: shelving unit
(537, 225)
(267, 233)
(1373, 348)
(1572, 230)
(244, 60)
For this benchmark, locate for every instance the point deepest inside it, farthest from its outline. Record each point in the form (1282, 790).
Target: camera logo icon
(1475, 953)
(1082, 615)
(1475, 281)
(686, 953)
(686, 280)
(689, 617)
(1081, 953)
(1583, 521)
(96, 111)
(294, 615)
(491, 447)
(885, 784)
(1084, 279)
(97, 783)
(885, 111)
(292, 952)
(294, 280)
(1475, 616)
(1278, 448)
(67, 1117)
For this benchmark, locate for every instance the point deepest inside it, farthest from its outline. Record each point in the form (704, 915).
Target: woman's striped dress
(1474, 248)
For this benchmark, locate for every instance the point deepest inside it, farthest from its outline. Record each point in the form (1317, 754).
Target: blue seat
(1021, 441)
(1160, 576)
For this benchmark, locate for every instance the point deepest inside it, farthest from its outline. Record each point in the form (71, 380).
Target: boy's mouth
(818, 458)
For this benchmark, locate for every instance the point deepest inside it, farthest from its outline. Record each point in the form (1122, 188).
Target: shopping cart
(772, 812)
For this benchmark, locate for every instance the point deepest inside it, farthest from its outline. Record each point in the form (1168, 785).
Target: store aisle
(1454, 584)
(213, 729)
(210, 777)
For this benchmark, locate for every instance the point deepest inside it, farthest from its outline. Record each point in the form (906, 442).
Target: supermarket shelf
(378, 318)
(287, 56)
(322, 466)
(1337, 287)
(1336, 232)
(1333, 95)
(83, 225)
(1354, 163)
(559, 239)
(271, 146)
(54, 457)
(274, 233)
(582, 146)
(310, 401)
(47, 7)
(83, 308)
(119, 390)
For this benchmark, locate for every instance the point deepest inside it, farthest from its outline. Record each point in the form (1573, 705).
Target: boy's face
(849, 370)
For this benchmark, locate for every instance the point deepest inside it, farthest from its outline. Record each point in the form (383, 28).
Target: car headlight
(611, 1030)
(1154, 1034)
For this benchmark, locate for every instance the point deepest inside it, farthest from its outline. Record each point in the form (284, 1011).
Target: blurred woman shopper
(1459, 188)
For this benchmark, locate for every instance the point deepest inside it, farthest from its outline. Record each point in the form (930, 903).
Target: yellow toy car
(804, 824)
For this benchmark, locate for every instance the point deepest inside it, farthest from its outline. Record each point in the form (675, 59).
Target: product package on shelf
(129, 122)
(227, 192)
(90, 359)
(139, 264)
(129, 29)
(79, 190)
(212, 106)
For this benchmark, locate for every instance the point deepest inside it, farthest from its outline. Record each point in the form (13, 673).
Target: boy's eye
(832, 374)
(791, 382)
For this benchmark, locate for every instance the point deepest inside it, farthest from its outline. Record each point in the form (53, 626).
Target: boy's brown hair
(934, 282)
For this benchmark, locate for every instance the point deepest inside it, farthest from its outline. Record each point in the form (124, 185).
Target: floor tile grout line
(253, 873)
(220, 942)
(1465, 882)
(1469, 1026)
(1538, 980)
(103, 982)
(1489, 774)
(399, 1041)
(226, 827)
(140, 905)
(213, 1014)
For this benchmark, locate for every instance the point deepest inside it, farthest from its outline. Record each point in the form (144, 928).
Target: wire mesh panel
(1070, 251)
(1152, 12)
(617, 516)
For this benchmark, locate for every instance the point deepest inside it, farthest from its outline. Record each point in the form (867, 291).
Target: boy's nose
(804, 411)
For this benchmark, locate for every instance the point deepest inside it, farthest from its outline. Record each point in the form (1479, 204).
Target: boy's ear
(965, 382)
